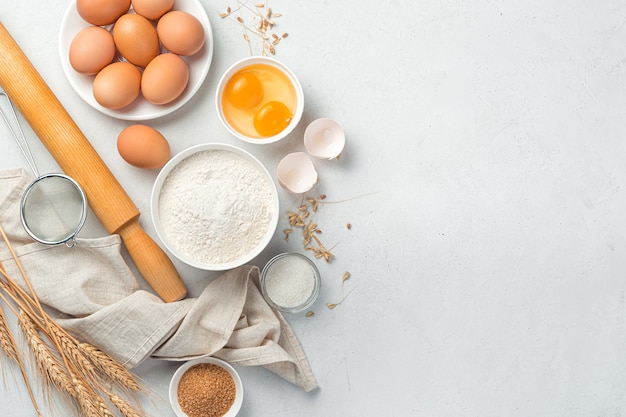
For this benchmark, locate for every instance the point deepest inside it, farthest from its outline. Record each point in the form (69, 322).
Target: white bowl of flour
(214, 206)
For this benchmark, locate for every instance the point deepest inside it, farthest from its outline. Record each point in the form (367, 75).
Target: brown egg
(164, 79)
(91, 50)
(143, 146)
(102, 12)
(117, 85)
(180, 32)
(136, 39)
(152, 9)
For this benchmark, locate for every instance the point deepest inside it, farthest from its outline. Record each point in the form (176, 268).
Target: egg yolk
(244, 90)
(272, 118)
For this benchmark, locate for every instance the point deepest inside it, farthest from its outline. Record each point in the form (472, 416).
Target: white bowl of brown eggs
(136, 60)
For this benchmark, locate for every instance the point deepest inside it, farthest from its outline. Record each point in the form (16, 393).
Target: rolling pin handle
(153, 264)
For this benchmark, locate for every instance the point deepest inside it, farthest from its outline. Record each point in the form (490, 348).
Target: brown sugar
(206, 390)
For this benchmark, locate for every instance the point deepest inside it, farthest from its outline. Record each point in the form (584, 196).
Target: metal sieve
(53, 208)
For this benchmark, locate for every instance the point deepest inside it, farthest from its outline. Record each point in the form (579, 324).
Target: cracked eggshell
(324, 139)
(296, 173)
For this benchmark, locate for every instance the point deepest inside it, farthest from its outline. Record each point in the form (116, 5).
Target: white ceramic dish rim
(173, 388)
(140, 109)
(154, 205)
(260, 60)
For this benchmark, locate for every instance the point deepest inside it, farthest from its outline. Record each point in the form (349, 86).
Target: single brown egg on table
(102, 12)
(136, 39)
(181, 32)
(164, 79)
(117, 85)
(91, 50)
(143, 147)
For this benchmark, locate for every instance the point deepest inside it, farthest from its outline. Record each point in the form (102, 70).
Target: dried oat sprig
(331, 306)
(307, 231)
(321, 252)
(301, 219)
(226, 14)
(265, 19)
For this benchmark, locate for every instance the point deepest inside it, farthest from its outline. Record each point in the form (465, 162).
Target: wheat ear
(89, 401)
(73, 370)
(58, 374)
(9, 347)
(7, 343)
(125, 408)
(69, 345)
(110, 367)
(50, 366)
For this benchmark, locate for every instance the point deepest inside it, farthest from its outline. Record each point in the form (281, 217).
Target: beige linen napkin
(92, 293)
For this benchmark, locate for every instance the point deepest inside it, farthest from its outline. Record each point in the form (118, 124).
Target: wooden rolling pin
(78, 159)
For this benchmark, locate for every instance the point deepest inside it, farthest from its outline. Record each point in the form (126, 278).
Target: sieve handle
(78, 159)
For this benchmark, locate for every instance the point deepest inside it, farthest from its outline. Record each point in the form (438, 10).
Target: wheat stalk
(7, 343)
(91, 361)
(76, 369)
(69, 345)
(126, 409)
(50, 366)
(62, 372)
(9, 347)
(91, 404)
(110, 367)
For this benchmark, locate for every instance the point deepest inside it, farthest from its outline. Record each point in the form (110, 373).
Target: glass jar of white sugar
(290, 282)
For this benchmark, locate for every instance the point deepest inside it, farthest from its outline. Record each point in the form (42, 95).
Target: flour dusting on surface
(215, 206)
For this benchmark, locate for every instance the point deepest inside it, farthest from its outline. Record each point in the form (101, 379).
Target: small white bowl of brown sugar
(206, 387)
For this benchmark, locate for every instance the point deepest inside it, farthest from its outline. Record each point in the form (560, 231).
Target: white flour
(215, 206)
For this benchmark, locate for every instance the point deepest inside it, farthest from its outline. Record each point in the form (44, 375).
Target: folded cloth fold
(92, 293)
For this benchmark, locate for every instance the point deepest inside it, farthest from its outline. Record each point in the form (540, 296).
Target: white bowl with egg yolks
(256, 114)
